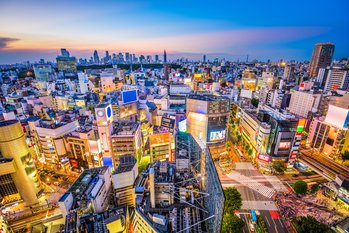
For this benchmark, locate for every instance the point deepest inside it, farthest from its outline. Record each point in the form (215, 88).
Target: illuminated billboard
(296, 142)
(182, 126)
(337, 116)
(264, 157)
(217, 135)
(129, 96)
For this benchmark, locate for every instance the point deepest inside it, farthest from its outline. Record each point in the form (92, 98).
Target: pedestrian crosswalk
(252, 184)
(276, 183)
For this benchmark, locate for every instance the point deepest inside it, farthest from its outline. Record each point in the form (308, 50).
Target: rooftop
(207, 97)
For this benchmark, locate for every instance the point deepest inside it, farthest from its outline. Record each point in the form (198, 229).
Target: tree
(249, 152)
(300, 187)
(233, 200)
(139, 156)
(232, 224)
(314, 188)
(345, 155)
(255, 102)
(228, 145)
(247, 147)
(309, 224)
(239, 138)
(279, 167)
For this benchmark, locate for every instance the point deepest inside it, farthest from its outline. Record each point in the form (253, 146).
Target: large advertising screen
(129, 96)
(337, 116)
(217, 135)
(168, 123)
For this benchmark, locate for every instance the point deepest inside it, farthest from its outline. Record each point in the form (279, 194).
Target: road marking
(267, 221)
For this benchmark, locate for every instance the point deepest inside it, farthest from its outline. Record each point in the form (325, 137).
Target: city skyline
(228, 30)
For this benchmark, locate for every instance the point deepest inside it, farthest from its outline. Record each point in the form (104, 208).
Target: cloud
(5, 41)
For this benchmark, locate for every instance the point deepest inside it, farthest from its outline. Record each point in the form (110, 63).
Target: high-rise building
(127, 57)
(303, 102)
(141, 58)
(165, 56)
(95, 57)
(107, 57)
(18, 166)
(330, 135)
(207, 117)
(321, 58)
(156, 57)
(65, 52)
(67, 64)
(204, 58)
(333, 78)
(104, 117)
(43, 72)
(289, 72)
(126, 139)
(50, 138)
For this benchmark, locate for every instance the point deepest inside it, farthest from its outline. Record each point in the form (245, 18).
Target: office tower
(289, 72)
(141, 58)
(50, 137)
(156, 58)
(43, 73)
(273, 136)
(207, 117)
(333, 78)
(124, 180)
(107, 57)
(67, 64)
(126, 139)
(321, 58)
(127, 57)
(303, 103)
(121, 58)
(149, 59)
(165, 56)
(65, 53)
(204, 58)
(20, 165)
(95, 57)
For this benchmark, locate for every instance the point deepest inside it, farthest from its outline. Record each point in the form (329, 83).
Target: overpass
(324, 166)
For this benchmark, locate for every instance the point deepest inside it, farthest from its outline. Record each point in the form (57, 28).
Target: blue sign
(109, 112)
(107, 161)
(129, 96)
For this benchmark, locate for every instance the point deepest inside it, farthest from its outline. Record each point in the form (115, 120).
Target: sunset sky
(32, 29)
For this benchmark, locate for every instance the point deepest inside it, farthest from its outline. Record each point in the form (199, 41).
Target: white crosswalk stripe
(252, 184)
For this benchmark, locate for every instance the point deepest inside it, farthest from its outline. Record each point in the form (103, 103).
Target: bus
(254, 216)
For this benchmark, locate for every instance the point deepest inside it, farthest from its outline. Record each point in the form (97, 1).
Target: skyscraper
(95, 57)
(20, 166)
(65, 52)
(107, 57)
(165, 56)
(204, 58)
(321, 58)
(127, 57)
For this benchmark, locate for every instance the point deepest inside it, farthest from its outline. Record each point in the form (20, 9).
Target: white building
(302, 103)
(107, 82)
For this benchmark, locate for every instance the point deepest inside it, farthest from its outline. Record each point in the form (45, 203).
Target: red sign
(263, 157)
